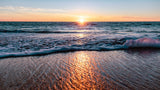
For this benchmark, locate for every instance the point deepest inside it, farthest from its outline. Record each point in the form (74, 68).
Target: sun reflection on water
(80, 35)
(81, 73)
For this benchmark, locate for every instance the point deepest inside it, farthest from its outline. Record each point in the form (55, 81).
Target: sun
(81, 20)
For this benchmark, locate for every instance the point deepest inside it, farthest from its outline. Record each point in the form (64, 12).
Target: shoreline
(39, 53)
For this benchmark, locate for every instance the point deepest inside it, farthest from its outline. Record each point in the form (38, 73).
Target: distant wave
(29, 31)
(77, 30)
(148, 31)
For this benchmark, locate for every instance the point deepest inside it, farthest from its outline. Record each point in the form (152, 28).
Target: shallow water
(124, 69)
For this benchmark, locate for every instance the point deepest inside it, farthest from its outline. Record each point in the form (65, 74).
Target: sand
(131, 69)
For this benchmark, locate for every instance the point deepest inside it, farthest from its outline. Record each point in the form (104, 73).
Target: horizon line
(76, 21)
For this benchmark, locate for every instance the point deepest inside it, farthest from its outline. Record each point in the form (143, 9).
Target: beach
(119, 69)
(66, 55)
(79, 44)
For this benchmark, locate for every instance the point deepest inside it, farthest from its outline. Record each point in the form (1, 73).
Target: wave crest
(30, 46)
(143, 42)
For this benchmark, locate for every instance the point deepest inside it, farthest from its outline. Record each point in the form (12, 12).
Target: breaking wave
(32, 47)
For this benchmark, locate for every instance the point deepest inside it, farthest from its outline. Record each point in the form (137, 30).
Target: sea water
(38, 38)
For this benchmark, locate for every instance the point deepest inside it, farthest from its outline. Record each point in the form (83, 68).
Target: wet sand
(131, 69)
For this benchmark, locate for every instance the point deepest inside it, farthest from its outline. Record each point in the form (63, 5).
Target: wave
(29, 31)
(143, 42)
(147, 31)
(77, 30)
(103, 45)
(58, 50)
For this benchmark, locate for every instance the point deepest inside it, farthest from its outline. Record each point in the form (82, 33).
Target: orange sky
(29, 15)
(88, 10)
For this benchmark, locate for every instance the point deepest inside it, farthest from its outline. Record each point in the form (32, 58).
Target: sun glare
(81, 20)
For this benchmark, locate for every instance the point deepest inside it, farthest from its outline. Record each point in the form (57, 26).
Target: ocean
(39, 38)
(70, 55)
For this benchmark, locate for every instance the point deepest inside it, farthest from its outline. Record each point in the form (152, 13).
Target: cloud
(10, 13)
(135, 17)
(29, 9)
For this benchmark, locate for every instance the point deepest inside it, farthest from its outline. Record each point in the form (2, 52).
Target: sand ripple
(82, 70)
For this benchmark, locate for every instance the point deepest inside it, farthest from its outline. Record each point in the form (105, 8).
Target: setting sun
(81, 20)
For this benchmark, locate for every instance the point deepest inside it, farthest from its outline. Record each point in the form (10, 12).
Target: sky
(74, 10)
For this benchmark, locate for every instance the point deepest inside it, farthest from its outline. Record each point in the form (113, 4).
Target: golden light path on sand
(81, 70)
